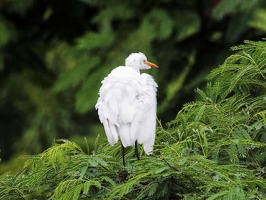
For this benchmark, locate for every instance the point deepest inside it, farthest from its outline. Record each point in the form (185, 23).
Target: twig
(175, 169)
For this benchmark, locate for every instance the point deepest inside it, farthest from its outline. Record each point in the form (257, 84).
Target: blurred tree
(31, 114)
(53, 56)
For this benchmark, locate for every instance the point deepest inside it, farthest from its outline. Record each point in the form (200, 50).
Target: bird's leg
(123, 154)
(136, 150)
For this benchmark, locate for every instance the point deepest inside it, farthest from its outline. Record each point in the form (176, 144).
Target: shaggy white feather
(127, 104)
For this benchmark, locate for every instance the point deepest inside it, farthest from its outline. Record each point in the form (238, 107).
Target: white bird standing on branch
(127, 105)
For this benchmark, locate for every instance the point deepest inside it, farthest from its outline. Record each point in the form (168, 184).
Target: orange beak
(151, 64)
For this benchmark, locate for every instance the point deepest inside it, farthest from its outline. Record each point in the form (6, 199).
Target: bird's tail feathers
(111, 132)
(124, 134)
(148, 147)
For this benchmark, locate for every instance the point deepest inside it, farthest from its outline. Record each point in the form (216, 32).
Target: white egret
(127, 104)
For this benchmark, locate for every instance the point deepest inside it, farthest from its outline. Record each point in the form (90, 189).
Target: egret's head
(139, 61)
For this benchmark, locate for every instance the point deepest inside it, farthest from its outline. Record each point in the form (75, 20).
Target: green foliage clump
(213, 149)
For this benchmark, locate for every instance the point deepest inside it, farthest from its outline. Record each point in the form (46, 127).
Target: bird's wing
(148, 125)
(118, 104)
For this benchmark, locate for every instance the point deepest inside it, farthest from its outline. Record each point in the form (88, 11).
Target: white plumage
(127, 104)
